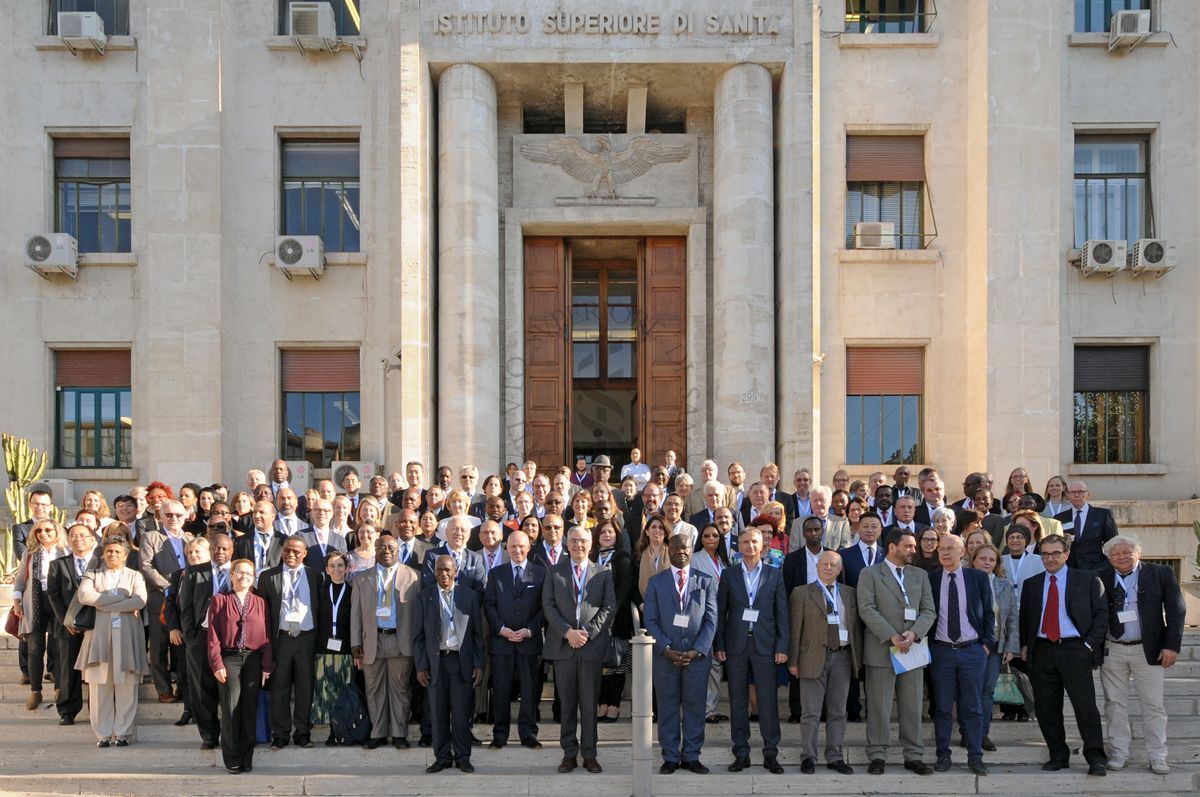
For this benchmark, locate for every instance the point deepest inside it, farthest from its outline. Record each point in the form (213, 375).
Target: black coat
(1085, 605)
(1086, 548)
(515, 606)
(1160, 603)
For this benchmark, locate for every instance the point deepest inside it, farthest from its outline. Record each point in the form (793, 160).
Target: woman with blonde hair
(94, 501)
(112, 657)
(1006, 609)
(31, 603)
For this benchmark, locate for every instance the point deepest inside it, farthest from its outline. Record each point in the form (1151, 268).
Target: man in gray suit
(896, 605)
(681, 615)
(382, 611)
(578, 601)
(752, 636)
(835, 531)
(162, 556)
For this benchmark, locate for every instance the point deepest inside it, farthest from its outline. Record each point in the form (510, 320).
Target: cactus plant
(24, 465)
(1196, 531)
(8, 559)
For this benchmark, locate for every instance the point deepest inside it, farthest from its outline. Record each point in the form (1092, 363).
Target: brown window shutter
(546, 357)
(885, 158)
(885, 371)
(663, 370)
(1100, 369)
(319, 370)
(91, 368)
(91, 148)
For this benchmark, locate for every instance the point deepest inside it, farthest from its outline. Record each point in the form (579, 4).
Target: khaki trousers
(388, 695)
(113, 709)
(1121, 664)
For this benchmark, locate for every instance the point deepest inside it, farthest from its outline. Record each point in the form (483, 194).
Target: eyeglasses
(242, 574)
(1052, 554)
(174, 514)
(579, 540)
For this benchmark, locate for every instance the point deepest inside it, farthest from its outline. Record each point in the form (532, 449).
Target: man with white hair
(162, 555)
(254, 477)
(713, 493)
(836, 533)
(709, 472)
(1145, 631)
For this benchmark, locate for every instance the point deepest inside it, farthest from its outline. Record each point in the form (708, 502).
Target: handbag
(78, 615)
(1007, 691)
(12, 624)
(262, 718)
(617, 650)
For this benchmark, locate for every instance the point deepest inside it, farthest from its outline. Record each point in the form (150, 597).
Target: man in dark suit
(904, 517)
(934, 491)
(290, 591)
(769, 476)
(640, 510)
(578, 601)
(901, 485)
(864, 553)
(1088, 528)
(1145, 632)
(681, 615)
(197, 587)
(319, 538)
(968, 503)
(549, 551)
(449, 649)
(287, 518)
(512, 602)
(714, 496)
(752, 636)
(1064, 619)
(264, 546)
(403, 526)
(757, 497)
(469, 569)
(61, 584)
(962, 639)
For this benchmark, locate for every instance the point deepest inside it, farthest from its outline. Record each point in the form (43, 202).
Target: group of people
(443, 604)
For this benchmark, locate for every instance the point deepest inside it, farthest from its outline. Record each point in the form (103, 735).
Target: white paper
(750, 615)
(1127, 616)
(832, 619)
(116, 621)
(334, 644)
(916, 657)
(383, 611)
(843, 635)
(681, 621)
(910, 614)
(293, 617)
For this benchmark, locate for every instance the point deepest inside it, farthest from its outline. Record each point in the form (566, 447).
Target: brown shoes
(35, 700)
(592, 765)
(568, 764)
(168, 699)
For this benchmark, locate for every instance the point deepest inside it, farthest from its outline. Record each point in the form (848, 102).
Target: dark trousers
(578, 683)
(854, 700)
(958, 679)
(292, 684)
(451, 704)
(1053, 669)
(682, 692)
(737, 670)
(69, 679)
(160, 645)
(526, 667)
(239, 706)
(202, 688)
(23, 656)
(795, 710)
(38, 641)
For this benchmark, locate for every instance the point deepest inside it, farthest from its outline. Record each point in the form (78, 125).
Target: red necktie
(1050, 618)
(578, 583)
(682, 598)
(681, 581)
(554, 557)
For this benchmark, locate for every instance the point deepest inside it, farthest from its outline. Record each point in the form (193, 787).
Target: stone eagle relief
(607, 168)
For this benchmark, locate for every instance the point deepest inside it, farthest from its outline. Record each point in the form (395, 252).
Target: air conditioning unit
(81, 29)
(875, 235)
(300, 254)
(1102, 257)
(301, 475)
(63, 491)
(1128, 29)
(1152, 256)
(52, 253)
(312, 25)
(365, 471)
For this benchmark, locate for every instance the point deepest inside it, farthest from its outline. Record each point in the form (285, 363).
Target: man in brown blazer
(383, 601)
(826, 652)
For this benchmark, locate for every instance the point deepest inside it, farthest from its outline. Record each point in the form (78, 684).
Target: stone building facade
(572, 225)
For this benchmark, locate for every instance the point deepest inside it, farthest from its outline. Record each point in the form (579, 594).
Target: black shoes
(184, 719)
(234, 770)
(988, 745)
(278, 743)
(437, 766)
(695, 767)
(668, 768)
(841, 767)
(977, 768)
(465, 766)
(920, 767)
(567, 764)
(66, 721)
(1053, 766)
(877, 767)
(208, 744)
(302, 740)
(808, 766)
(592, 766)
(496, 745)
(942, 764)
(739, 764)
(102, 743)
(426, 740)
(532, 744)
(125, 743)
(374, 743)
(773, 766)
(1093, 769)
(400, 744)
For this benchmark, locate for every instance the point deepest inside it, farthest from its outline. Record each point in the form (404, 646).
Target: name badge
(383, 611)
(293, 617)
(116, 621)
(1127, 616)
(1068, 526)
(910, 614)
(334, 644)
(681, 621)
(832, 619)
(750, 615)
(843, 635)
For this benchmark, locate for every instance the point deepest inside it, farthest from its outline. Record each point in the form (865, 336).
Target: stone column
(468, 338)
(743, 370)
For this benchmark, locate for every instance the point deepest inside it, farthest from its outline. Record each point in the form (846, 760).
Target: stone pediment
(600, 169)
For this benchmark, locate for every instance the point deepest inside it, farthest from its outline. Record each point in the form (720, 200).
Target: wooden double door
(605, 348)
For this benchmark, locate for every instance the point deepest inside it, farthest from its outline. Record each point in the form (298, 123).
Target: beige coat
(363, 595)
(107, 652)
(24, 584)
(810, 625)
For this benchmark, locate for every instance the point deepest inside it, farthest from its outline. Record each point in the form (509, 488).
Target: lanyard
(447, 600)
(752, 582)
(682, 590)
(336, 603)
(605, 558)
(291, 597)
(832, 592)
(1129, 584)
(898, 573)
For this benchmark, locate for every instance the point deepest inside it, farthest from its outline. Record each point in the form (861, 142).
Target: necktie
(870, 556)
(80, 566)
(1078, 524)
(680, 589)
(222, 580)
(1050, 615)
(833, 640)
(554, 558)
(1116, 628)
(953, 625)
(404, 553)
(578, 583)
(520, 572)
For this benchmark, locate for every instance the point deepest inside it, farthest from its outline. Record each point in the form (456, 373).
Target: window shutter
(884, 371)
(91, 148)
(1116, 368)
(663, 369)
(885, 158)
(547, 359)
(92, 368)
(320, 370)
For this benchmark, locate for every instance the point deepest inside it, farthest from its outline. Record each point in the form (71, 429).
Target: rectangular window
(94, 408)
(884, 405)
(1112, 189)
(885, 181)
(91, 192)
(321, 192)
(345, 15)
(1112, 388)
(886, 16)
(1095, 16)
(115, 14)
(320, 420)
